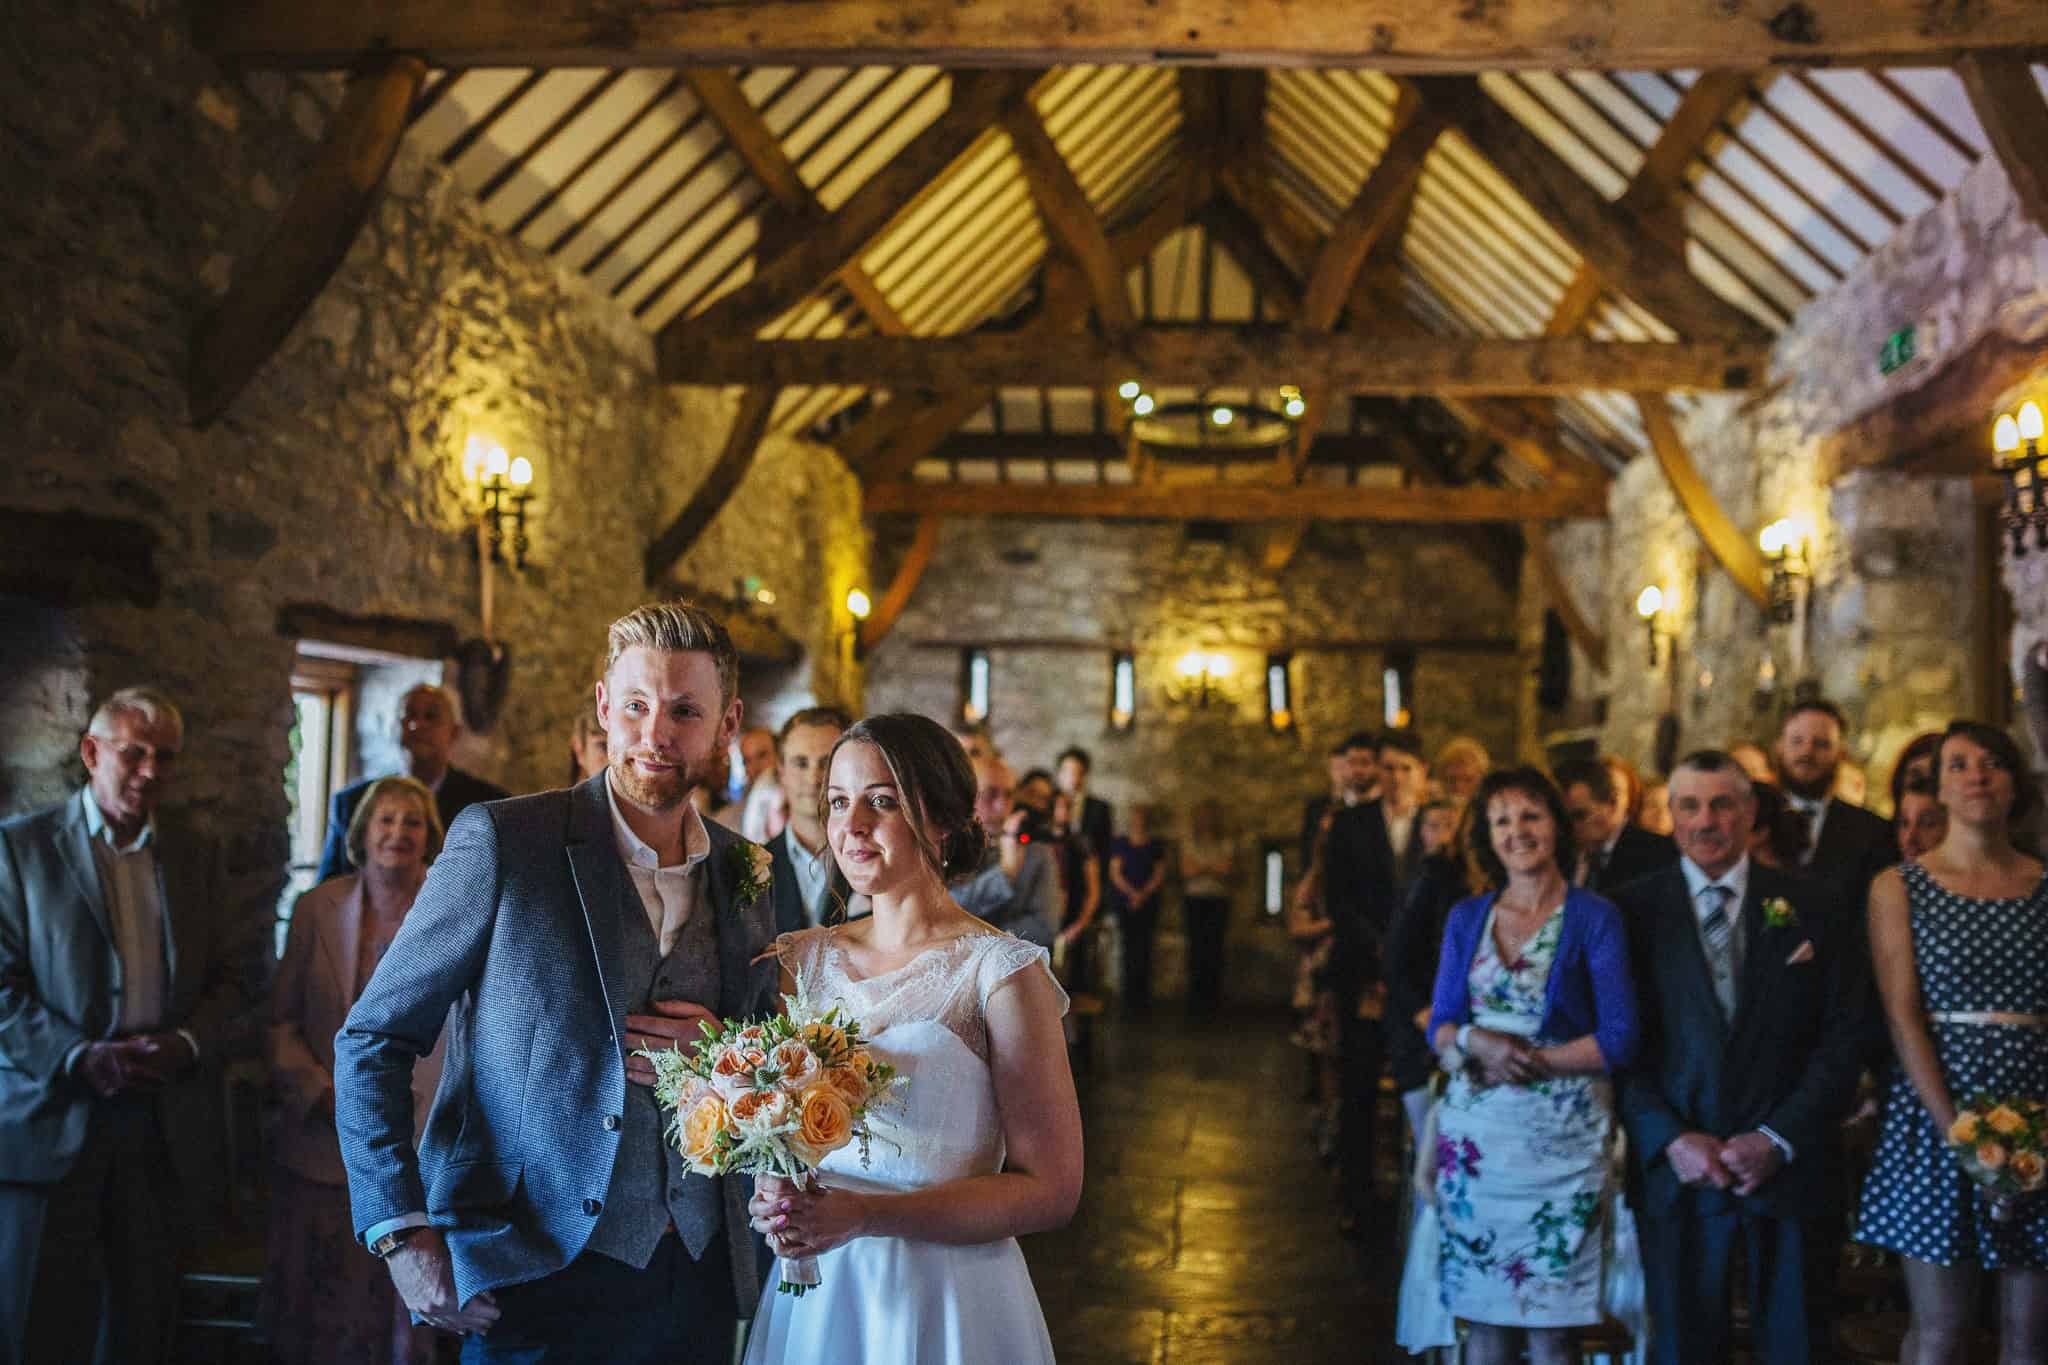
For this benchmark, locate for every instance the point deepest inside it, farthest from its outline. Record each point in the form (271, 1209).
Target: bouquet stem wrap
(799, 1276)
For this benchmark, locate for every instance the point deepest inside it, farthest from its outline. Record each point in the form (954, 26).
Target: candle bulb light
(2016, 444)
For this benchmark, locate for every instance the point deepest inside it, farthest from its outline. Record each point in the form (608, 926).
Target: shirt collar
(97, 828)
(1736, 879)
(803, 858)
(1806, 805)
(639, 853)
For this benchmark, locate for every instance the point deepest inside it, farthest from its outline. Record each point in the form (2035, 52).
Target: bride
(916, 1246)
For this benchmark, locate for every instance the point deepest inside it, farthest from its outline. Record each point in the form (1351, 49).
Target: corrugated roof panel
(872, 139)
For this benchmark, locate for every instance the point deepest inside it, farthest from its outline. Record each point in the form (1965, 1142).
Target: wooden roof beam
(1343, 362)
(1632, 254)
(277, 283)
(2015, 117)
(791, 275)
(1237, 501)
(727, 106)
(742, 443)
(1592, 641)
(1737, 554)
(909, 573)
(1395, 35)
(1069, 219)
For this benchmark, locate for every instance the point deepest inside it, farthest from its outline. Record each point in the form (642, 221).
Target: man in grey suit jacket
(122, 978)
(543, 1213)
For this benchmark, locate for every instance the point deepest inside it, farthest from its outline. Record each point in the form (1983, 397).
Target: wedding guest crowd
(428, 725)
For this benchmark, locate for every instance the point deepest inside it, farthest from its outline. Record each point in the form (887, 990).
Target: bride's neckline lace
(842, 962)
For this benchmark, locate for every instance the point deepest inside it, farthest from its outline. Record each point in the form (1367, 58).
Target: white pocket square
(1803, 953)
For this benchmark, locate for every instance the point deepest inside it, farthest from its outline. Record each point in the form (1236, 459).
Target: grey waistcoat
(650, 1182)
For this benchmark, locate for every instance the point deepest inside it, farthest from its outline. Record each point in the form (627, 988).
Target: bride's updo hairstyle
(935, 784)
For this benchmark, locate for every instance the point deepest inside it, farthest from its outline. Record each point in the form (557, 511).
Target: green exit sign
(1898, 350)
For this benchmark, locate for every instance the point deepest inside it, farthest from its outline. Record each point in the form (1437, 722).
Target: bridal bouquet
(773, 1096)
(2002, 1145)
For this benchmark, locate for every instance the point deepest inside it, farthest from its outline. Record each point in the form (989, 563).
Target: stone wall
(1900, 600)
(141, 177)
(1051, 599)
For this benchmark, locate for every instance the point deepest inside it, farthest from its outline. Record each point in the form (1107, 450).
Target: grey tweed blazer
(517, 930)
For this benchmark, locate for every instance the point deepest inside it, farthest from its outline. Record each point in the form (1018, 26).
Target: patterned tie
(1811, 811)
(1717, 928)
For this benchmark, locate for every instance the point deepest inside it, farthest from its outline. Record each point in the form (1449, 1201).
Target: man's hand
(1696, 1158)
(160, 1056)
(1752, 1159)
(425, 1279)
(105, 1068)
(673, 1023)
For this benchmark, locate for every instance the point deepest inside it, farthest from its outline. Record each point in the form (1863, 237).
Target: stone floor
(1206, 1234)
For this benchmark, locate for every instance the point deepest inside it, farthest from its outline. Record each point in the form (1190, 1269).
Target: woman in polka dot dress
(1960, 943)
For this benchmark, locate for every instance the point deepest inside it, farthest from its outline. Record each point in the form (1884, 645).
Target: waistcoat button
(593, 1207)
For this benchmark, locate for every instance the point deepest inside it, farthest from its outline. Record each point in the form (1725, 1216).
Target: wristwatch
(392, 1241)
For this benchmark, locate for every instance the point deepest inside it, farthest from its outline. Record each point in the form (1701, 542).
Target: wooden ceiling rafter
(1070, 221)
(2014, 115)
(1236, 500)
(726, 104)
(742, 444)
(1394, 35)
(908, 575)
(273, 286)
(1735, 552)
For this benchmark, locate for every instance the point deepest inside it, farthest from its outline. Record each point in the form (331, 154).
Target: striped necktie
(1717, 930)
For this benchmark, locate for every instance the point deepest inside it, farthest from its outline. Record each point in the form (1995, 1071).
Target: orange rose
(700, 1134)
(825, 1040)
(2029, 1170)
(851, 1084)
(824, 1123)
(1964, 1129)
(796, 1062)
(762, 1108)
(1990, 1156)
(2005, 1120)
(732, 1073)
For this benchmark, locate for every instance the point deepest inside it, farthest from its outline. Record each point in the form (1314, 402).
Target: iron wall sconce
(2016, 439)
(1784, 543)
(504, 488)
(1200, 677)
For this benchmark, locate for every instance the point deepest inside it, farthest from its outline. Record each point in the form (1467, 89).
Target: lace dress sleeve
(1006, 958)
(800, 950)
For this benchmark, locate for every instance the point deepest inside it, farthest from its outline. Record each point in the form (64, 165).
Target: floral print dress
(1522, 1170)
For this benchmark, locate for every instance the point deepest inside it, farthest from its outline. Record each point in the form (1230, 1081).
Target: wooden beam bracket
(909, 574)
(742, 443)
(1736, 552)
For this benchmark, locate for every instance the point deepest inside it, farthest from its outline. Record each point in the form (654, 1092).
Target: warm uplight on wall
(504, 485)
(1784, 543)
(857, 604)
(1650, 607)
(2016, 442)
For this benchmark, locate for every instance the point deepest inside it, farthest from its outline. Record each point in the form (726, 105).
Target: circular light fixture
(857, 604)
(520, 474)
(2005, 434)
(2030, 421)
(1143, 405)
(1649, 602)
(1294, 407)
(1773, 539)
(1222, 417)
(1129, 389)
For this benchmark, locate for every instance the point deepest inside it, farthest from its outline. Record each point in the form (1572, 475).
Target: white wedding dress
(892, 1300)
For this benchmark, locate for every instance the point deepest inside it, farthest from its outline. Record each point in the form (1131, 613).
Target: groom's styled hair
(676, 627)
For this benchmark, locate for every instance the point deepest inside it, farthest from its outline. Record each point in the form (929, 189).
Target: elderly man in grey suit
(543, 1214)
(122, 978)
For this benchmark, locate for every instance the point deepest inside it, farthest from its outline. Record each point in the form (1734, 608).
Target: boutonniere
(1779, 914)
(751, 866)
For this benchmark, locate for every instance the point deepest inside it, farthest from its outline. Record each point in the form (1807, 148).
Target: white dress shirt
(813, 876)
(668, 894)
(135, 910)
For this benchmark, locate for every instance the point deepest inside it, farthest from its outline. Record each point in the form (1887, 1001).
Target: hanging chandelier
(1205, 432)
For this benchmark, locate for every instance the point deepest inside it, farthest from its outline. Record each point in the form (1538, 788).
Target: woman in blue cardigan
(1532, 1015)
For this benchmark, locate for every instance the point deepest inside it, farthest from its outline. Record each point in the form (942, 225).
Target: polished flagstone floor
(1207, 1232)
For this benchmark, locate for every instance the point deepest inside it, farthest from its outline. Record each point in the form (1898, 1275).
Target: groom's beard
(660, 791)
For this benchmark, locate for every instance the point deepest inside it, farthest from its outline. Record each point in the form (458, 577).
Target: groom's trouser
(1686, 1265)
(598, 1311)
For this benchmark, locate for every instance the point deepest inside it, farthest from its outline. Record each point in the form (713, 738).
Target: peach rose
(2029, 1170)
(761, 1109)
(700, 1134)
(862, 1062)
(824, 1123)
(2005, 1120)
(825, 1040)
(732, 1072)
(851, 1084)
(1964, 1129)
(1990, 1156)
(797, 1063)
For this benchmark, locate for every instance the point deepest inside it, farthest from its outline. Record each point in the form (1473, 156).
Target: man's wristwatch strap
(392, 1241)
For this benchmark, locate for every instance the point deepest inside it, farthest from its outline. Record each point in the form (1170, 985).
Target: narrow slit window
(1123, 690)
(1398, 687)
(1276, 882)
(1280, 692)
(974, 686)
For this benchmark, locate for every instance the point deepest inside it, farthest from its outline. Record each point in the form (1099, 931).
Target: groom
(544, 1215)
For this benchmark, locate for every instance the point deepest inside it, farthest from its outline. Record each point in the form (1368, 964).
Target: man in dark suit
(1091, 814)
(543, 1212)
(1613, 851)
(1354, 767)
(123, 976)
(1847, 846)
(427, 730)
(1372, 854)
(1750, 984)
(809, 887)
